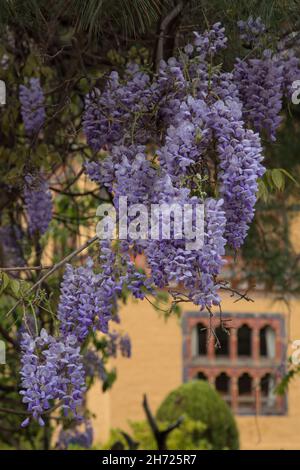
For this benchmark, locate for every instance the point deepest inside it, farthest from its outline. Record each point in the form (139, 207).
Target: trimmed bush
(201, 402)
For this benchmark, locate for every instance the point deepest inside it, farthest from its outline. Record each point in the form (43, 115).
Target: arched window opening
(245, 384)
(244, 341)
(268, 397)
(267, 343)
(223, 338)
(199, 340)
(246, 396)
(201, 376)
(222, 383)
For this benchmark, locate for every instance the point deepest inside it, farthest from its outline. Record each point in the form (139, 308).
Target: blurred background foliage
(201, 419)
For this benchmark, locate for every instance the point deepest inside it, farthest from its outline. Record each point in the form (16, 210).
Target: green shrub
(188, 436)
(200, 402)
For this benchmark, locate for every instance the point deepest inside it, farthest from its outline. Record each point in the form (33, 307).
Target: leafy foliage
(200, 402)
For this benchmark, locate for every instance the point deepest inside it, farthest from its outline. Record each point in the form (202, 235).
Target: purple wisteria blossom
(103, 171)
(109, 115)
(171, 262)
(251, 30)
(86, 301)
(260, 83)
(11, 243)
(211, 41)
(187, 139)
(94, 365)
(125, 346)
(240, 155)
(32, 106)
(38, 204)
(290, 70)
(51, 371)
(118, 342)
(135, 178)
(81, 436)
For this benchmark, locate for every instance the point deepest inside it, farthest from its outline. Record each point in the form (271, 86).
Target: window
(199, 340)
(244, 341)
(268, 396)
(267, 342)
(246, 398)
(201, 376)
(222, 384)
(244, 368)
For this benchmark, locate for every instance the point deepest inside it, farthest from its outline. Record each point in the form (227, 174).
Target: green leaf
(290, 176)
(263, 191)
(268, 180)
(4, 282)
(278, 179)
(110, 378)
(14, 285)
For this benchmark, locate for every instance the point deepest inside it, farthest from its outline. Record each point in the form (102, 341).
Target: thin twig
(53, 269)
(26, 268)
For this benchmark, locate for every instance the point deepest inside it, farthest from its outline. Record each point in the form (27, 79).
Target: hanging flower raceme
(11, 243)
(240, 156)
(38, 204)
(290, 70)
(260, 85)
(32, 106)
(51, 372)
(211, 41)
(125, 346)
(81, 436)
(94, 365)
(86, 301)
(251, 30)
(186, 140)
(109, 115)
(171, 262)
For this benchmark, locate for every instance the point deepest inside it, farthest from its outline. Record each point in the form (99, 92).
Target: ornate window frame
(257, 366)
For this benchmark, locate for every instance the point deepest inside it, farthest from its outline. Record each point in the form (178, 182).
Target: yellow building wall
(155, 368)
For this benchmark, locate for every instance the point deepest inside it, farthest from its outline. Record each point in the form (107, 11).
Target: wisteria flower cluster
(116, 342)
(264, 81)
(252, 30)
(202, 150)
(190, 134)
(38, 203)
(52, 370)
(11, 240)
(77, 436)
(32, 106)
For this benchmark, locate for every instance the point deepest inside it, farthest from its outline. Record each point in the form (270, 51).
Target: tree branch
(160, 436)
(163, 29)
